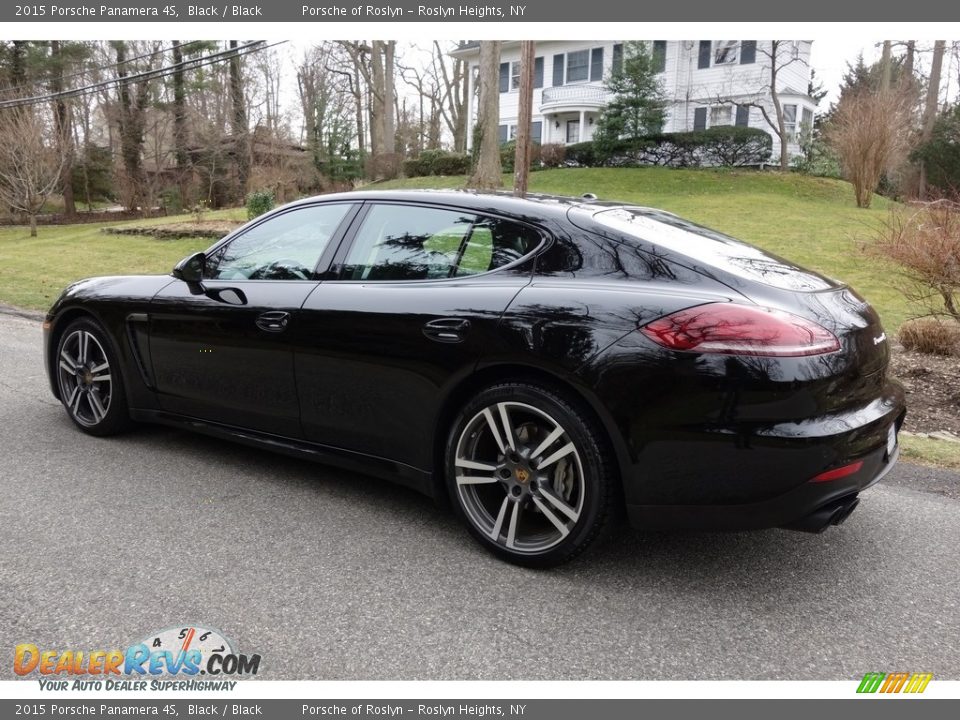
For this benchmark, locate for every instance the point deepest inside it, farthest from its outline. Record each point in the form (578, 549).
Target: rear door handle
(273, 321)
(447, 330)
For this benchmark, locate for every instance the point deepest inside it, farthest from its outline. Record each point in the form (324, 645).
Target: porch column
(583, 129)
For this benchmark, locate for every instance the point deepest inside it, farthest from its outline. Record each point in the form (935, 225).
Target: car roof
(501, 201)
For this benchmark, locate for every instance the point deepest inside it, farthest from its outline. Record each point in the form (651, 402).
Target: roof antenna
(588, 196)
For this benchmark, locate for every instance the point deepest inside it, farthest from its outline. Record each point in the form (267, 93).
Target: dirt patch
(213, 229)
(932, 383)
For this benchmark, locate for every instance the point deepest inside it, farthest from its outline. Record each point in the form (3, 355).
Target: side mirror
(190, 269)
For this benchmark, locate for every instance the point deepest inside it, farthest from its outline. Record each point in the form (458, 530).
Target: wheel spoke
(474, 480)
(494, 430)
(559, 504)
(69, 369)
(74, 401)
(96, 407)
(68, 358)
(565, 450)
(100, 378)
(83, 343)
(547, 442)
(557, 522)
(507, 425)
(99, 368)
(498, 525)
(471, 465)
(512, 528)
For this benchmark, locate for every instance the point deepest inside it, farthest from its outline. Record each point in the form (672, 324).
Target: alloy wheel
(519, 477)
(86, 386)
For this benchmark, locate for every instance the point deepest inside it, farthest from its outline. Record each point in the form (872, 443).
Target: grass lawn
(33, 271)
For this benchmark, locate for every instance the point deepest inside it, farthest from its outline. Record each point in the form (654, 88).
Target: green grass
(33, 271)
(930, 451)
(810, 221)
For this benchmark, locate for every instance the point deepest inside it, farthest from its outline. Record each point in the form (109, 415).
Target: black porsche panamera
(546, 363)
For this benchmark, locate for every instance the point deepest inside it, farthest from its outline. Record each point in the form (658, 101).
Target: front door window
(573, 131)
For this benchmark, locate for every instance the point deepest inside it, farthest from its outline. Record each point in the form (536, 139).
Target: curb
(20, 312)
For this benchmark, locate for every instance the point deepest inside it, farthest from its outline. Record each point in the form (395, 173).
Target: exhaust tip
(833, 513)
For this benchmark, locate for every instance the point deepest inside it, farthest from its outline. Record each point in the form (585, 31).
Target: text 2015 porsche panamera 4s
(544, 363)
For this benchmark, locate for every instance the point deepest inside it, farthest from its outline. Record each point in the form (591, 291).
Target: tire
(529, 473)
(90, 380)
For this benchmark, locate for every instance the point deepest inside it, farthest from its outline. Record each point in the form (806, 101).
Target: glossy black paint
(368, 374)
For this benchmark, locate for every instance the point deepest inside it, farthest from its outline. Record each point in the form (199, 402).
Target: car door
(412, 310)
(222, 350)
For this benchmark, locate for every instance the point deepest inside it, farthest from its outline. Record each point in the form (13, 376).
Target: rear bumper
(806, 505)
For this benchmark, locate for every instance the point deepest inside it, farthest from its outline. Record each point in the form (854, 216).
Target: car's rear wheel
(528, 472)
(88, 375)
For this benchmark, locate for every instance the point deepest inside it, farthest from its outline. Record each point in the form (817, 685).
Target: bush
(508, 154)
(930, 336)
(437, 162)
(924, 240)
(553, 155)
(385, 166)
(726, 146)
(942, 153)
(259, 202)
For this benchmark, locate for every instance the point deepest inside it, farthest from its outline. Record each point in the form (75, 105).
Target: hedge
(437, 162)
(728, 146)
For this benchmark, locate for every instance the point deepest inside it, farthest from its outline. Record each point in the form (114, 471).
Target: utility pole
(521, 162)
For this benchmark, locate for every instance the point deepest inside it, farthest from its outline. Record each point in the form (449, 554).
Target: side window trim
(337, 268)
(325, 257)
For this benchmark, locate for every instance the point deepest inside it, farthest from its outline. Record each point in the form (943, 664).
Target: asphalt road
(331, 575)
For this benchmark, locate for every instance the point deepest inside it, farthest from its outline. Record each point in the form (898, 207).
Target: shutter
(502, 132)
(538, 72)
(536, 132)
(596, 64)
(748, 52)
(558, 70)
(504, 77)
(618, 57)
(659, 55)
(700, 119)
(703, 60)
(743, 116)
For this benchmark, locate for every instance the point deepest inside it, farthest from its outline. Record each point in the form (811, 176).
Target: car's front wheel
(88, 375)
(529, 473)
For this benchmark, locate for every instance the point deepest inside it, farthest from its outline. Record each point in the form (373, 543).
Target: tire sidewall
(596, 482)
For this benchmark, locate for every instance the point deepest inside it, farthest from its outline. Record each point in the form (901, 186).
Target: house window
(720, 115)
(573, 131)
(743, 116)
(807, 121)
(790, 121)
(515, 76)
(617, 65)
(578, 66)
(502, 132)
(725, 52)
(659, 55)
(700, 118)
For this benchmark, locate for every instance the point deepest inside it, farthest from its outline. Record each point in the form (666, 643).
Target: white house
(707, 83)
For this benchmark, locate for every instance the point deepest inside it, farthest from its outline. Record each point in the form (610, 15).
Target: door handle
(273, 321)
(447, 330)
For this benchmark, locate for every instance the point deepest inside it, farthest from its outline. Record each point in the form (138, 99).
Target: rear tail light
(837, 473)
(732, 329)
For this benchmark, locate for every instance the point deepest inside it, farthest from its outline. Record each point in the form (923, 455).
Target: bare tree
(774, 56)
(487, 173)
(238, 124)
(453, 100)
(867, 132)
(64, 121)
(521, 162)
(29, 165)
(930, 108)
(131, 117)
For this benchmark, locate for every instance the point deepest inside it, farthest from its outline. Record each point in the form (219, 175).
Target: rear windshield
(711, 248)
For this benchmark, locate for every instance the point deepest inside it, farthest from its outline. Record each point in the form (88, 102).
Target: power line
(98, 68)
(154, 74)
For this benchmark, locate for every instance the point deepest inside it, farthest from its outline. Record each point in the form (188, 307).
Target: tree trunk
(389, 126)
(18, 66)
(778, 107)
(885, 67)
(33, 225)
(487, 173)
(180, 131)
(131, 130)
(62, 121)
(521, 162)
(358, 102)
(238, 125)
(376, 99)
(930, 109)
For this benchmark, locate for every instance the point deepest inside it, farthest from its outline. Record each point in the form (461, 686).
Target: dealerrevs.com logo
(172, 659)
